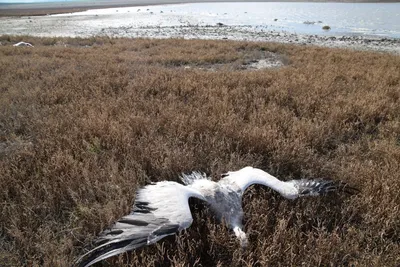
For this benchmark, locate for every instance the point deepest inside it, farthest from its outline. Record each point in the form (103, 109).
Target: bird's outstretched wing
(319, 187)
(290, 189)
(160, 210)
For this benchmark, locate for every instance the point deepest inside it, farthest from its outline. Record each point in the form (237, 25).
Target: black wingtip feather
(86, 260)
(133, 242)
(323, 187)
(346, 188)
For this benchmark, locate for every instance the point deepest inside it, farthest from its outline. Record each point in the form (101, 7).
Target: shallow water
(368, 19)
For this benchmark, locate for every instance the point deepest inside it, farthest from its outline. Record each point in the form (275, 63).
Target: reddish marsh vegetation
(83, 123)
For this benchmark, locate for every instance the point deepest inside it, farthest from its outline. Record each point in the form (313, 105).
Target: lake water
(369, 19)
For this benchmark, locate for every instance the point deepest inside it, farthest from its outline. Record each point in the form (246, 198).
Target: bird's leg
(241, 236)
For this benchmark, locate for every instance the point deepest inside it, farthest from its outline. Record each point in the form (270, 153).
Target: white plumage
(23, 44)
(162, 209)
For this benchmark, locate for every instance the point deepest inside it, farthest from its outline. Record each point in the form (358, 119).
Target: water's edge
(298, 23)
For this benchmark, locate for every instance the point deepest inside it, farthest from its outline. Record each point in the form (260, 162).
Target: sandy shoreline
(163, 22)
(38, 9)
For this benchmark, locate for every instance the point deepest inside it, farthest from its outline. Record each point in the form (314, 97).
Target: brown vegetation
(83, 123)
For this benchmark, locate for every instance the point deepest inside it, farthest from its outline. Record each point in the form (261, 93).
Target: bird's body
(162, 209)
(225, 196)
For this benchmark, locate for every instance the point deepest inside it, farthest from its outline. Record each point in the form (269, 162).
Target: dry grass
(82, 126)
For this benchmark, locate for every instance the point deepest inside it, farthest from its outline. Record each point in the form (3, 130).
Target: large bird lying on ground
(162, 209)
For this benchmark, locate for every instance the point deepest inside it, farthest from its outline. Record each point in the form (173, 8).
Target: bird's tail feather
(321, 187)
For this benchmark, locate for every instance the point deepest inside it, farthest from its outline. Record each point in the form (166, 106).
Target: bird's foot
(241, 236)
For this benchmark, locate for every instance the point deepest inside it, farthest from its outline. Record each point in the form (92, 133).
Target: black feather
(112, 244)
(133, 222)
(322, 187)
(93, 255)
(166, 229)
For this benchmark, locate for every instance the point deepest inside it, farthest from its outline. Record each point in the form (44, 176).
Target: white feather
(170, 200)
(249, 176)
(192, 177)
(160, 210)
(23, 44)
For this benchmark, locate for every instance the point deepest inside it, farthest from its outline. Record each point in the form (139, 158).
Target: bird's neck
(265, 179)
(257, 176)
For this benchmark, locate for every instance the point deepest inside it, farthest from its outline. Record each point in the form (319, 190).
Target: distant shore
(157, 23)
(32, 9)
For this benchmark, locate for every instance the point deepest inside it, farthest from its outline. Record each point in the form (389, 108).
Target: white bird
(23, 44)
(162, 209)
(225, 196)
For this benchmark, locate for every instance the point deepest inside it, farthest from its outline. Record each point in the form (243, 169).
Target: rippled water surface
(371, 19)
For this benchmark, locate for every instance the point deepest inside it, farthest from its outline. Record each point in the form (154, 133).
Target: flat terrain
(85, 122)
(67, 7)
(242, 22)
